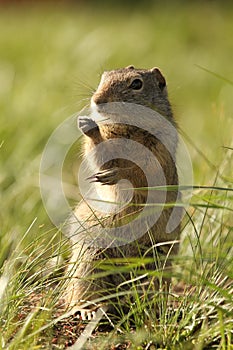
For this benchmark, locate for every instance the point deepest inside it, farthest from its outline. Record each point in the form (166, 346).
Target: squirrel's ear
(160, 78)
(130, 67)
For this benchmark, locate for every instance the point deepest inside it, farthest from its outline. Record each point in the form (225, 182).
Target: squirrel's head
(131, 85)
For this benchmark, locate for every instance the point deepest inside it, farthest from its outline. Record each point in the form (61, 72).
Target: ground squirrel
(145, 89)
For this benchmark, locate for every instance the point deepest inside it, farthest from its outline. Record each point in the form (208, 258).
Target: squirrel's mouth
(100, 107)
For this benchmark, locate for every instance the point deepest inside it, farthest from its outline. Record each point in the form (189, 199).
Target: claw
(93, 178)
(85, 315)
(105, 177)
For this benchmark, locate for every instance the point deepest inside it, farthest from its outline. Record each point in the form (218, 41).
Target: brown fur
(86, 260)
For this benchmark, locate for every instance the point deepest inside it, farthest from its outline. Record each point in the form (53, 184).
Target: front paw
(87, 125)
(106, 177)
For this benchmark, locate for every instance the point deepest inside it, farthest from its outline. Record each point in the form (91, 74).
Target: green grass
(50, 61)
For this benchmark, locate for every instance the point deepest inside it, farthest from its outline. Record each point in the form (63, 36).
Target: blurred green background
(51, 57)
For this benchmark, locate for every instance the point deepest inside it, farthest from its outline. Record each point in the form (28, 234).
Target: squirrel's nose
(99, 98)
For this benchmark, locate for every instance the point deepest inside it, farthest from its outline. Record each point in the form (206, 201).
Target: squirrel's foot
(87, 125)
(95, 313)
(106, 177)
(85, 314)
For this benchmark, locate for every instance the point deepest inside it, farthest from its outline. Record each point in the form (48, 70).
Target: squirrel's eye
(136, 84)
